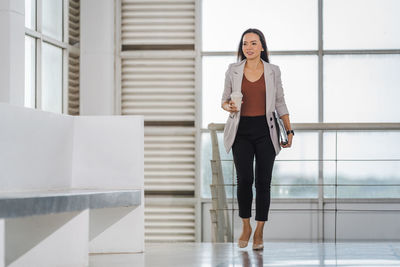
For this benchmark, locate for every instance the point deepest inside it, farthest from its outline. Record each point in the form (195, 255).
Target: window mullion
(54, 42)
(32, 33)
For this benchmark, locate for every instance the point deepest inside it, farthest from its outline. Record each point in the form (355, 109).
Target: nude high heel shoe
(243, 243)
(258, 246)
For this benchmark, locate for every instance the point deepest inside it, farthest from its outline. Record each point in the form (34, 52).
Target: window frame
(41, 38)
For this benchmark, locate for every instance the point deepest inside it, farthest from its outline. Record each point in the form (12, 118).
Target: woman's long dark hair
(264, 54)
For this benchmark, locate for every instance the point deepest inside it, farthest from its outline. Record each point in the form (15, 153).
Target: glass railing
(359, 160)
(327, 162)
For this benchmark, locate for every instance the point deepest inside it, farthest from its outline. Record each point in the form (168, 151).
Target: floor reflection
(363, 254)
(256, 259)
(245, 258)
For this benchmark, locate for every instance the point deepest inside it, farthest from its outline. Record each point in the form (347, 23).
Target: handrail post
(219, 213)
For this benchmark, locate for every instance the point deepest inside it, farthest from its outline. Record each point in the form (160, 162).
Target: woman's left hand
(289, 144)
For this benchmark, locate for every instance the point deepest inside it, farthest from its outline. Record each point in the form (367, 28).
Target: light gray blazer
(275, 100)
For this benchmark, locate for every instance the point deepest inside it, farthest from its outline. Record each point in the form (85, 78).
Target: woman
(251, 131)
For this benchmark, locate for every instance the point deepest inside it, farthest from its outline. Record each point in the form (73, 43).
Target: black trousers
(253, 140)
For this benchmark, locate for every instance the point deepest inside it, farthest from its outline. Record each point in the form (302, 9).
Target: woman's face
(251, 45)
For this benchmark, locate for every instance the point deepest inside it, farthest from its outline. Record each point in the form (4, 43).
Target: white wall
(12, 51)
(97, 57)
(108, 152)
(35, 149)
(43, 150)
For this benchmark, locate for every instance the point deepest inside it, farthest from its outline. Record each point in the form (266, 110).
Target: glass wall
(345, 72)
(286, 24)
(361, 24)
(367, 90)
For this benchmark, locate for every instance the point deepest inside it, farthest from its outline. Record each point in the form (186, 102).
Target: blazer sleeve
(226, 95)
(280, 103)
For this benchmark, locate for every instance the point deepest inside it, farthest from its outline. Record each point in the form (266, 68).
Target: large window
(339, 61)
(45, 54)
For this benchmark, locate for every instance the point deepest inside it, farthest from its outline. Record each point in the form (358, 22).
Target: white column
(2, 240)
(97, 57)
(12, 51)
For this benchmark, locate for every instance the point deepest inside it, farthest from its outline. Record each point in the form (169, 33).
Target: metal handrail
(328, 126)
(318, 184)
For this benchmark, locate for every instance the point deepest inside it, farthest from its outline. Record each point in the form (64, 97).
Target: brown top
(253, 97)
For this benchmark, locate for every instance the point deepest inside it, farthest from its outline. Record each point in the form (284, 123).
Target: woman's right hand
(230, 106)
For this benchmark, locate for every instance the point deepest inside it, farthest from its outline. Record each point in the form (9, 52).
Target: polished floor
(274, 254)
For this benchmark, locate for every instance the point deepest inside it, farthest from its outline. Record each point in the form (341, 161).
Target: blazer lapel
(269, 84)
(238, 76)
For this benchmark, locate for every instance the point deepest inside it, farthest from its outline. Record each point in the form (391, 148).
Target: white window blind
(169, 159)
(74, 21)
(73, 84)
(158, 85)
(169, 220)
(153, 22)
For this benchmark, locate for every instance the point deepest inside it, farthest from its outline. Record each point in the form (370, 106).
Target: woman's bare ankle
(246, 230)
(258, 235)
(246, 233)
